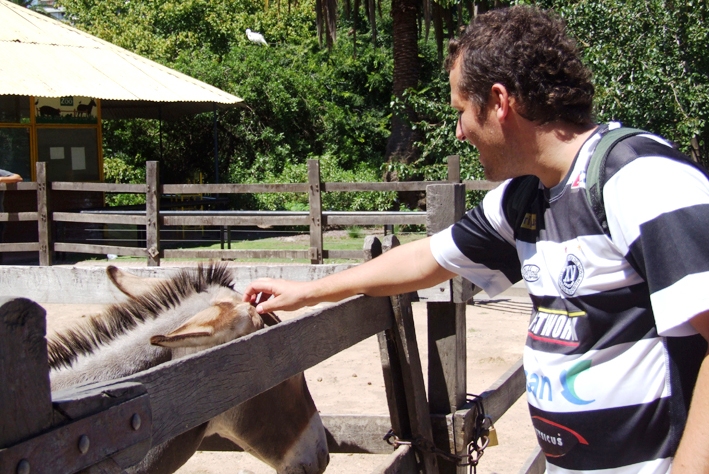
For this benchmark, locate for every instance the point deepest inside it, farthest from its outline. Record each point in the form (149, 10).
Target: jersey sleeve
(658, 217)
(480, 247)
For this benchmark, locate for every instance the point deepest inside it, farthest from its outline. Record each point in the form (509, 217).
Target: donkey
(169, 318)
(85, 110)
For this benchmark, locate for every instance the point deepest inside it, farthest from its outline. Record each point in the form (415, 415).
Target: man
(617, 338)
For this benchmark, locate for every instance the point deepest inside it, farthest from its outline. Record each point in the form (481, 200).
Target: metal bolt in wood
(135, 422)
(23, 467)
(84, 444)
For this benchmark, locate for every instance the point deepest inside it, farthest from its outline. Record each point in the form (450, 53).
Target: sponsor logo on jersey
(555, 326)
(571, 275)
(529, 222)
(568, 381)
(580, 181)
(539, 385)
(530, 273)
(555, 439)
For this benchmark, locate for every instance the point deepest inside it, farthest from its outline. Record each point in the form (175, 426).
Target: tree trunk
(406, 74)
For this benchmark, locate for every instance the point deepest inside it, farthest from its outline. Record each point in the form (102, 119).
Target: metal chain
(474, 450)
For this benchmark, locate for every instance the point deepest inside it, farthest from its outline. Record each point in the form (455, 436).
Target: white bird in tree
(255, 37)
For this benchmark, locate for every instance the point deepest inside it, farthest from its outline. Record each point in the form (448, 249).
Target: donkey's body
(166, 319)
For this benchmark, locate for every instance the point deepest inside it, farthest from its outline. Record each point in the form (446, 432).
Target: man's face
(481, 131)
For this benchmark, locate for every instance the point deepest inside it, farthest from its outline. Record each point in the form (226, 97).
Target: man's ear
(501, 100)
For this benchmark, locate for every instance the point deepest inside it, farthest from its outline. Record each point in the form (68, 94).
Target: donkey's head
(280, 426)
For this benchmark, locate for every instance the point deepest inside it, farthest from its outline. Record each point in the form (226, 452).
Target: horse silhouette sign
(70, 109)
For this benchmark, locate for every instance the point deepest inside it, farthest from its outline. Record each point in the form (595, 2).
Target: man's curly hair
(527, 50)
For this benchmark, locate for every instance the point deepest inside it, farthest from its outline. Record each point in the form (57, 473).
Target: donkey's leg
(169, 456)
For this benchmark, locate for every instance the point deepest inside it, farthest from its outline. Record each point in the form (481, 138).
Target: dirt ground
(351, 383)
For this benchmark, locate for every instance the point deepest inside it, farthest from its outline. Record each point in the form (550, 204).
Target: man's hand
(270, 295)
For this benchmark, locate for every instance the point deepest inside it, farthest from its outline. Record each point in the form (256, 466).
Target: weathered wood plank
(379, 186)
(535, 463)
(44, 217)
(99, 249)
(25, 394)
(23, 186)
(217, 220)
(447, 356)
(234, 188)
(215, 379)
(99, 187)
(411, 371)
(446, 325)
(345, 434)
(357, 433)
(99, 218)
(20, 247)
(84, 441)
(408, 218)
(401, 461)
(59, 284)
(353, 254)
(315, 221)
(18, 216)
(391, 360)
(236, 254)
(453, 162)
(152, 210)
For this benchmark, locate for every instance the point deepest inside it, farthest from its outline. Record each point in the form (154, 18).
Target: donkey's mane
(64, 348)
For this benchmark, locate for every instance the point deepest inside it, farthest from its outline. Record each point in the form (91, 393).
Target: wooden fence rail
(153, 219)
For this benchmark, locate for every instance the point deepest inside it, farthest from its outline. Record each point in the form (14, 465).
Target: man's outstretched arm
(403, 269)
(13, 178)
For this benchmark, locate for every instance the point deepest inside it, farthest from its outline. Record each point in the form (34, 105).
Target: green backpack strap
(596, 171)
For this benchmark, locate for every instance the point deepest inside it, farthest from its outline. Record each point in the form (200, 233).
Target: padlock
(492, 436)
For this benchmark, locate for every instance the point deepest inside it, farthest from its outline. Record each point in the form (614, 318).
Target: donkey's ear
(132, 285)
(213, 326)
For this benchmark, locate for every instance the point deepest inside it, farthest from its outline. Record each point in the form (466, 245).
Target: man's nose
(459, 130)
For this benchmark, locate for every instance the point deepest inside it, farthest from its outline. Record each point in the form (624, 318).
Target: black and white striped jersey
(610, 359)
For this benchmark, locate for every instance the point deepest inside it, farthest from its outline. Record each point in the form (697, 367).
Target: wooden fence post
(315, 201)
(25, 394)
(445, 204)
(402, 344)
(391, 365)
(152, 213)
(44, 223)
(454, 169)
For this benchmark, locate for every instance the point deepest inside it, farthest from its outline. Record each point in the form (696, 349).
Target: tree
(649, 63)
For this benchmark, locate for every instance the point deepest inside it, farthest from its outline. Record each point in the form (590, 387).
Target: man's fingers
(255, 288)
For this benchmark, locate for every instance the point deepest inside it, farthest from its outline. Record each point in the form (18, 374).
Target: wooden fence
(108, 426)
(43, 428)
(153, 219)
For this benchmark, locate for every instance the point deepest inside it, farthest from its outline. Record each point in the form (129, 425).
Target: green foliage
(649, 62)
(117, 170)
(302, 102)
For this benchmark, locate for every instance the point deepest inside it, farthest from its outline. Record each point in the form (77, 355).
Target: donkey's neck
(129, 352)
